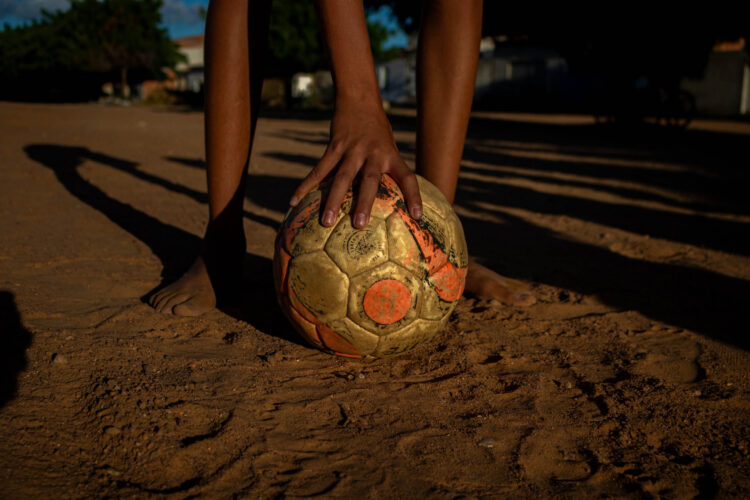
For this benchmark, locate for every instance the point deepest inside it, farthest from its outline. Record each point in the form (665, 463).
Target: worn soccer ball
(377, 291)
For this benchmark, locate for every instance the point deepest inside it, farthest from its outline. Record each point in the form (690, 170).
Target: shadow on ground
(14, 340)
(174, 247)
(669, 177)
(676, 174)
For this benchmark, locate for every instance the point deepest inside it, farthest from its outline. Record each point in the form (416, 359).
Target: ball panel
(433, 307)
(298, 306)
(434, 198)
(301, 230)
(304, 327)
(387, 301)
(355, 250)
(429, 233)
(360, 285)
(407, 338)
(320, 285)
(335, 342)
(403, 248)
(449, 281)
(459, 253)
(381, 208)
(453, 239)
(280, 265)
(362, 340)
(389, 192)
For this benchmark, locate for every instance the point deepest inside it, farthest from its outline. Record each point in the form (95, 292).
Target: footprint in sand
(553, 454)
(668, 356)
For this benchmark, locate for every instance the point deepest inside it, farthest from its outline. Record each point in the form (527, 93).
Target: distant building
(190, 72)
(515, 76)
(725, 87)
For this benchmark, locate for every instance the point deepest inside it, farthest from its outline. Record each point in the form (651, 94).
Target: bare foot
(191, 295)
(216, 271)
(484, 283)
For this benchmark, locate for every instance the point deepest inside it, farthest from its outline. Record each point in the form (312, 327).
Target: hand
(361, 144)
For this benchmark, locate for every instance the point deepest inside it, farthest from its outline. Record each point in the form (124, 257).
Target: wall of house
(726, 80)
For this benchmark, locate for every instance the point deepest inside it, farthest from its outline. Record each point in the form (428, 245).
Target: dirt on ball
(628, 378)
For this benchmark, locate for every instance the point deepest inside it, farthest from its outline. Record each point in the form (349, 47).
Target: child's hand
(361, 144)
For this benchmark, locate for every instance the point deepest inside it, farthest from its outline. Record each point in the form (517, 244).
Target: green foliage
(295, 43)
(378, 35)
(68, 54)
(294, 40)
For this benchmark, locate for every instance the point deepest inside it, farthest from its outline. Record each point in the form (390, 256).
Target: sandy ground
(629, 377)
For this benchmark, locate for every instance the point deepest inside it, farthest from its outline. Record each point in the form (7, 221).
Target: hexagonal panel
(335, 342)
(320, 285)
(433, 307)
(364, 341)
(305, 328)
(355, 250)
(432, 235)
(433, 197)
(397, 298)
(408, 337)
(381, 208)
(459, 253)
(449, 281)
(403, 248)
(301, 229)
(280, 265)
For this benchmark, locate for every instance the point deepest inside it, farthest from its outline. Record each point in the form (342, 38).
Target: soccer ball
(377, 291)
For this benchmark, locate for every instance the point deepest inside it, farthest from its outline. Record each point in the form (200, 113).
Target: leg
(236, 38)
(446, 70)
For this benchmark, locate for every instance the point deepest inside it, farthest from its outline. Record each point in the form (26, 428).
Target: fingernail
(293, 202)
(360, 220)
(416, 212)
(328, 218)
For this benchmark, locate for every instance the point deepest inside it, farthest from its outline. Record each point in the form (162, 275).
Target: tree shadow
(14, 341)
(174, 247)
(706, 166)
(705, 302)
(696, 299)
(267, 191)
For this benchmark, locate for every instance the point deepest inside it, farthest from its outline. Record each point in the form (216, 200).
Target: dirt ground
(628, 378)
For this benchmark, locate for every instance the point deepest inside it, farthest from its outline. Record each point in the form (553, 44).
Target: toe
(193, 307)
(159, 306)
(155, 297)
(167, 307)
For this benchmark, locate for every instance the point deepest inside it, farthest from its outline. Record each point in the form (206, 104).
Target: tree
(295, 43)
(69, 54)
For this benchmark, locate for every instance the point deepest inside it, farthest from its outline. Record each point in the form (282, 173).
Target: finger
(368, 189)
(407, 180)
(317, 174)
(341, 184)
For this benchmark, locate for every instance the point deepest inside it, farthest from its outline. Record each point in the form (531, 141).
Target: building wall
(725, 81)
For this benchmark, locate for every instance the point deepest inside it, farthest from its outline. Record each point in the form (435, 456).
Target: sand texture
(627, 379)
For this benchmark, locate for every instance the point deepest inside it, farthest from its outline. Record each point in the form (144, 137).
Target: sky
(180, 17)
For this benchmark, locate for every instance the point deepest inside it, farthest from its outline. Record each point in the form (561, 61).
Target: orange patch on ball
(281, 266)
(334, 342)
(449, 282)
(387, 301)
